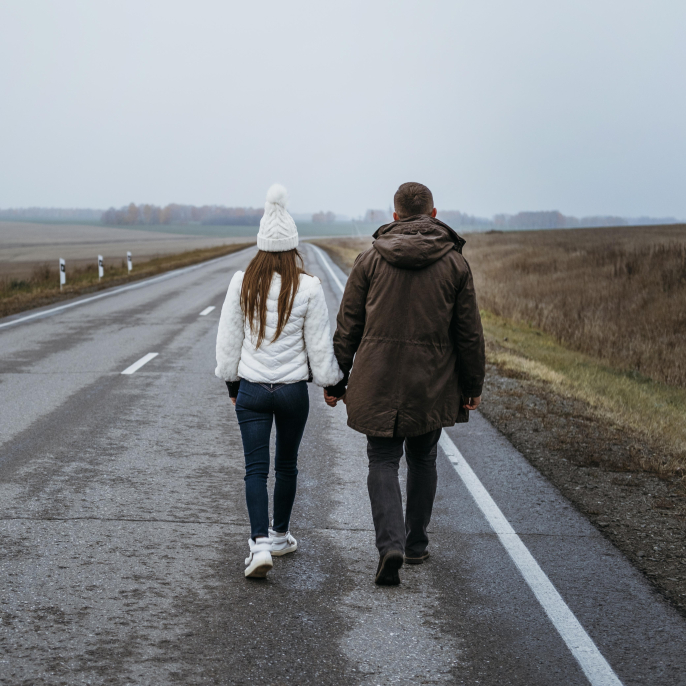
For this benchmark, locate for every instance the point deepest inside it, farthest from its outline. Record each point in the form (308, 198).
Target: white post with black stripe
(129, 260)
(101, 267)
(63, 273)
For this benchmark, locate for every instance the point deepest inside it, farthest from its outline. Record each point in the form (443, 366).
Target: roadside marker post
(129, 260)
(101, 267)
(143, 283)
(63, 273)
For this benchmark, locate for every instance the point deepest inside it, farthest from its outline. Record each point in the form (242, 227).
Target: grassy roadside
(343, 251)
(649, 409)
(18, 295)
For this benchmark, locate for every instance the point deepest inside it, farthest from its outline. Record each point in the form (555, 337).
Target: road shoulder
(586, 459)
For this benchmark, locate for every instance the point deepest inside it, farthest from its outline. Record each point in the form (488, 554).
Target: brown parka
(410, 320)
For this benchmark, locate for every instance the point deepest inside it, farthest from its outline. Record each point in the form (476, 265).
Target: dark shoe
(417, 560)
(387, 572)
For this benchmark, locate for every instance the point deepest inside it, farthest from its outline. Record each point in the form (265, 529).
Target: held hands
(331, 401)
(471, 403)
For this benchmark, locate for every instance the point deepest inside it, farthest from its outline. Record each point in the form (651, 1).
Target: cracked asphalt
(123, 531)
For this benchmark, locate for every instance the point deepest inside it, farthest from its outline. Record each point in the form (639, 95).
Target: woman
(273, 337)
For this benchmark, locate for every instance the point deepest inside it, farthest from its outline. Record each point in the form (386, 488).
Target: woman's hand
(233, 400)
(331, 401)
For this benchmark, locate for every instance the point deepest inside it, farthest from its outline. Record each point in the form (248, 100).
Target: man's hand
(233, 400)
(472, 403)
(331, 401)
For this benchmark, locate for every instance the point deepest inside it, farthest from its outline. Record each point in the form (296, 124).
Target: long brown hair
(256, 284)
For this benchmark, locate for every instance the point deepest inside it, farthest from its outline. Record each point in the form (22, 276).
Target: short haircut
(413, 198)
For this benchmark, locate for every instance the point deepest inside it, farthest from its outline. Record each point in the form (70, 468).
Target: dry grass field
(599, 314)
(617, 294)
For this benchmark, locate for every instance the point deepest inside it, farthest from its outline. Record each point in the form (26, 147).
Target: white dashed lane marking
(137, 365)
(207, 310)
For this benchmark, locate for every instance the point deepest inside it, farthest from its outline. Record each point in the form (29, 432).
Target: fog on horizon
(575, 106)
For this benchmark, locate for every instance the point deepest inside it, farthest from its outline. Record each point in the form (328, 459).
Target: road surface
(123, 530)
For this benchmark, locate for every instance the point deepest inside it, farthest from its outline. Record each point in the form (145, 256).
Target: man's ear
(434, 212)
(396, 218)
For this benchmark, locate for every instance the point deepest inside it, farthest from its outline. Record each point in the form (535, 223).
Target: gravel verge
(595, 466)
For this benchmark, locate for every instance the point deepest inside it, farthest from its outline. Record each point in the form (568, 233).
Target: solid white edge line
(595, 666)
(323, 260)
(207, 310)
(137, 365)
(114, 291)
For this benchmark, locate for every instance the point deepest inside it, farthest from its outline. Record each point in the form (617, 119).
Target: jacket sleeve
(317, 336)
(231, 332)
(351, 317)
(469, 339)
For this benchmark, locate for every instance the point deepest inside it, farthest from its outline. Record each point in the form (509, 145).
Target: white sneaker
(282, 543)
(259, 562)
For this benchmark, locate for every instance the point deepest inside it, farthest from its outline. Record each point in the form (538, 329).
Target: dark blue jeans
(257, 406)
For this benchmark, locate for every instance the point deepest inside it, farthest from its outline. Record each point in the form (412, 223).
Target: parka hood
(416, 242)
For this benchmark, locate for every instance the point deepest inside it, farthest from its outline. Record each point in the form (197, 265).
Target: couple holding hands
(410, 322)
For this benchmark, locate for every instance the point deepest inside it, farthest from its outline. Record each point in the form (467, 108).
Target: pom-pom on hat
(278, 231)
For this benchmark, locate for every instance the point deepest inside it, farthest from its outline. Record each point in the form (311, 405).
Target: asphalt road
(123, 531)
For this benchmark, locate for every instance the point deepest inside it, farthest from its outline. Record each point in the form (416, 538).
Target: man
(410, 320)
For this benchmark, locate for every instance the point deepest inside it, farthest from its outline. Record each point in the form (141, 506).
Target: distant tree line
(450, 217)
(133, 214)
(323, 218)
(526, 220)
(457, 218)
(51, 213)
(378, 217)
(557, 220)
(182, 214)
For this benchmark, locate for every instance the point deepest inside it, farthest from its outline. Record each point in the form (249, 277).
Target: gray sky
(496, 105)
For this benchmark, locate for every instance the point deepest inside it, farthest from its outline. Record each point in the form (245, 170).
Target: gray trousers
(393, 532)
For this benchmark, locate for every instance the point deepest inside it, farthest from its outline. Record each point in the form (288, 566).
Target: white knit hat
(278, 231)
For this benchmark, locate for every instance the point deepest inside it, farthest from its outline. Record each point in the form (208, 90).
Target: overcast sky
(496, 105)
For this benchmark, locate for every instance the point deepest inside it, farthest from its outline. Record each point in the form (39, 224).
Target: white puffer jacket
(306, 336)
